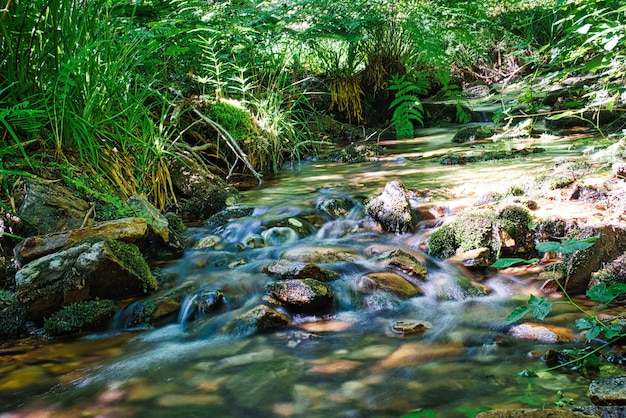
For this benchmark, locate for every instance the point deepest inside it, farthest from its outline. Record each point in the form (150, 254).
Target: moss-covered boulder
(404, 261)
(503, 233)
(80, 317)
(95, 268)
(392, 208)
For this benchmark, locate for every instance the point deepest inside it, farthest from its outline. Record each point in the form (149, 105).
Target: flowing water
(345, 363)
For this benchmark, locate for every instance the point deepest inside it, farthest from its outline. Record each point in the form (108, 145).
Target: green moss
(515, 220)
(474, 229)
(442, 243)
(235, 119)
(560, 181)
(12, 320)
(130, 256)
(79, 317)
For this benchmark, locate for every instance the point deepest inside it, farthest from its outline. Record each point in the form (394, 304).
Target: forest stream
(348, 362)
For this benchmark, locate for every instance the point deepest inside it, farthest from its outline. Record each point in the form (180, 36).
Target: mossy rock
(80, 317)
(442, 242)
(474, 229)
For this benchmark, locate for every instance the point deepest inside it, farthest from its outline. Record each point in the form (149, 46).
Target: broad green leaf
(599, 293)
(594, 332)
(614, 330)
(584, 323)
(517, 314)
(617, 289)
(540, 307)
(508, 262)
(548, 247)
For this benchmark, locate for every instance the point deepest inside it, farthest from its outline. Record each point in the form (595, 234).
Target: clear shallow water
(348, 363)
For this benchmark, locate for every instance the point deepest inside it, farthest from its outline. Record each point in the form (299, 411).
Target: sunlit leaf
(584, 29)
(548, 247)
(612, 43)
(594, 332)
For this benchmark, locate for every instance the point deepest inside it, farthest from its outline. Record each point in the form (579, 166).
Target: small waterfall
(187, 308)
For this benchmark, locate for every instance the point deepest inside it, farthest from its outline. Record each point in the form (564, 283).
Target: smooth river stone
(414, 354)
(542, 333)
(388, 281)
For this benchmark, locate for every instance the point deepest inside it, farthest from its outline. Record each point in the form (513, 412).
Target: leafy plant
(407, 107)
(590, 323)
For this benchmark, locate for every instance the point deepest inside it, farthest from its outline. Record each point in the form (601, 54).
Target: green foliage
(590, 323)
(406, 105)
(537, 307)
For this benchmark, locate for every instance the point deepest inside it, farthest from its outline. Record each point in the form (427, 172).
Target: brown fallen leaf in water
(325, 326)
(327, 366)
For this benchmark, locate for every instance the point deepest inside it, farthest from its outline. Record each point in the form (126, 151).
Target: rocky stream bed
(335, 289)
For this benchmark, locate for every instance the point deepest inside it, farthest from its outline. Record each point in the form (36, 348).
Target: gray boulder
(92, 269)
(392, 209)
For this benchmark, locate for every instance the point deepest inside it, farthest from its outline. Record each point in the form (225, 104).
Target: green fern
(406, 105)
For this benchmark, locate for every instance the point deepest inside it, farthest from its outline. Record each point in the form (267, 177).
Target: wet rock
(80, 317)
(473, 133)
(158, 309)
(403, 261)
(541, 333)
(600, 411)
(619, 170)
(209, 301)
(514, 222)
(224, 216)
(608, 391)
(613, 272)
(258, 319)
(392, 208)
(279, 235)
(48, 207)
(91, 269)
(479, 257)
(162, 240)
(287, 269)
(410, 327)
(355, 153)
(578, 267)
(301, 294)
(127, 230)
(533, 413)
(389, 281)
(335, 208)
(202, 194)
(319, 254)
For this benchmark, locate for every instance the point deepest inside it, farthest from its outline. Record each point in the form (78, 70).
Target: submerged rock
(392, 208)
(303, 295)
(258, 319)
(91, 269)
(542, 333)
(319, 254)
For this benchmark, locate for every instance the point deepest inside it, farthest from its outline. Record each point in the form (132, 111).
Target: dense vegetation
(102, 93)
